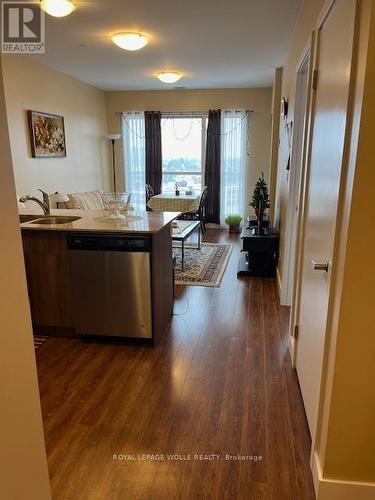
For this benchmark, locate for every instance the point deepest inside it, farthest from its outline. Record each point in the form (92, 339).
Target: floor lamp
(113, 138)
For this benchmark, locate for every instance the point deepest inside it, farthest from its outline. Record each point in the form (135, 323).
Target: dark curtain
(153, 150)
(212, 170)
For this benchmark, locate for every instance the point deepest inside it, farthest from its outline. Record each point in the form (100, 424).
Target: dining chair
(149, 194)
(200, 213)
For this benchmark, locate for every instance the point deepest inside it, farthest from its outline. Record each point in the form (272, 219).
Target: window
(183, 151)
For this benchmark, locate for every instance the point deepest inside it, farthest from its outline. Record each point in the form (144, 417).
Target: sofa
(89, 200)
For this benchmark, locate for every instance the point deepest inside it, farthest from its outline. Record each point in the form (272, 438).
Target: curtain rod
(188, 112)
(204, 112)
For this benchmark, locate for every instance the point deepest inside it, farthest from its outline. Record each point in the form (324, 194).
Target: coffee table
(182, 232)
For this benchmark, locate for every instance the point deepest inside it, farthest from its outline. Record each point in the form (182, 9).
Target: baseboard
(291, 344)
(278, 280)
(334, 489)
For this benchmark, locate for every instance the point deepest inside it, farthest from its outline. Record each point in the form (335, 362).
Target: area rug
(204, 267)
(38, 341)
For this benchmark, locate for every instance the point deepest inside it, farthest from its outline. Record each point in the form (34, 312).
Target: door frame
(297, 168)
(302, 197)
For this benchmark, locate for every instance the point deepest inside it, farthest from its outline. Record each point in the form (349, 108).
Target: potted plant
(234, 222)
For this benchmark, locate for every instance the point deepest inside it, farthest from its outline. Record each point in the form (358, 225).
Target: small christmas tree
(260, 189)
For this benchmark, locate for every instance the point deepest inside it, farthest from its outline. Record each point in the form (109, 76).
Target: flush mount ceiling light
(169, 76)
(130, 41)
(58, 8)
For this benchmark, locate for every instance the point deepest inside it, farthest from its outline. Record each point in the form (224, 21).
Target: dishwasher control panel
(109, 242)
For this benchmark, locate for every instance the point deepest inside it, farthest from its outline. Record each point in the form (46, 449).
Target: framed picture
(47, 135)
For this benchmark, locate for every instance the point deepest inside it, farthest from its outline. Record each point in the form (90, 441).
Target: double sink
(48, 219)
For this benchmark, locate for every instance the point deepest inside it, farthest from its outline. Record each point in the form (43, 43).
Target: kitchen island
(88, 274)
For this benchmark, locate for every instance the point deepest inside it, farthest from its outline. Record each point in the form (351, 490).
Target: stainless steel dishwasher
(111, 284)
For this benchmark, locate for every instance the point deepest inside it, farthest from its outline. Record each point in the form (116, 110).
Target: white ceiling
(215, 43)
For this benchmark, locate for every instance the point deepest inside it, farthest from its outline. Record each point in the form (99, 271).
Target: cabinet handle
(320, 266)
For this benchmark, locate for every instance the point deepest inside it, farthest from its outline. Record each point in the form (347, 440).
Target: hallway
(220, 384)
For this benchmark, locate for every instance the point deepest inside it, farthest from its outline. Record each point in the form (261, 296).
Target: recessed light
(169, 76)
(58, 8)
(130, 41)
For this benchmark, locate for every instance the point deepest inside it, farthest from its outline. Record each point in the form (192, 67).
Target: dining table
(170, 202)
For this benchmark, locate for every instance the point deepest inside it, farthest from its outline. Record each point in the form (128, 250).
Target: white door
(334, 52)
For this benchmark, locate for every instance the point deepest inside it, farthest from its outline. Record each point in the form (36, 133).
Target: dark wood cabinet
(49, 282)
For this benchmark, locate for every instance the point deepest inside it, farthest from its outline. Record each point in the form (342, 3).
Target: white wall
(23, 471)
(29, 85)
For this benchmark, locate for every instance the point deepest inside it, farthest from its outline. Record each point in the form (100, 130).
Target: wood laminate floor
(220, 384)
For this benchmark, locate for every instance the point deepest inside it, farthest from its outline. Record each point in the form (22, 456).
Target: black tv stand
(260, 252)
(258, 231)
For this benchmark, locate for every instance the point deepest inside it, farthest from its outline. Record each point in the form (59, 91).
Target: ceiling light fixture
(169, 76)
(130, 41)
(58, 8)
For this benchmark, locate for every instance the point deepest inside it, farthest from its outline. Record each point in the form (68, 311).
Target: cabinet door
(48, 279)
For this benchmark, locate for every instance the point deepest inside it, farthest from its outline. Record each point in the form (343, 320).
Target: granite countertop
(98, 221)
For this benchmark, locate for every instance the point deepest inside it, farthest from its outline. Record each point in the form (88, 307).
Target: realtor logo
(22, 29)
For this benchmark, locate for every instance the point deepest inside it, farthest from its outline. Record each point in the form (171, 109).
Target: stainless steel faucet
(45, 204)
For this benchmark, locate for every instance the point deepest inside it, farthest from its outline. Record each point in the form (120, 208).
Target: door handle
(320, 266)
